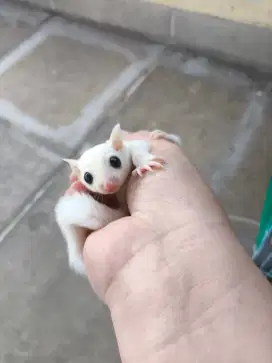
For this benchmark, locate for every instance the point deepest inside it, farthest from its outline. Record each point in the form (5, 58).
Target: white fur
(141, 155)
(81, 210)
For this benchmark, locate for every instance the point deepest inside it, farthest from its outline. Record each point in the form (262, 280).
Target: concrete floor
(63, 88)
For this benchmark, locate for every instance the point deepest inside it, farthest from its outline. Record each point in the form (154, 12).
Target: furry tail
(77, 211)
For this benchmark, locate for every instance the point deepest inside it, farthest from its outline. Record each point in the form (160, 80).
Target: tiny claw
(148, 168)
(137, 172)
(140, 171)
(159, 159)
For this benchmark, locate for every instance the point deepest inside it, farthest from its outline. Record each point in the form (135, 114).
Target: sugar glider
(101, 172)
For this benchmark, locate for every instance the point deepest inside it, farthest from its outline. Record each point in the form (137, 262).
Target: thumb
(106, 251)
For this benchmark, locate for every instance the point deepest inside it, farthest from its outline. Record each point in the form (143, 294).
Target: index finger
(139, 135)
(168, 196)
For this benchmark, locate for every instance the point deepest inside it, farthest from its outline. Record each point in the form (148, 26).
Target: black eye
(88, 178)
(115, 162)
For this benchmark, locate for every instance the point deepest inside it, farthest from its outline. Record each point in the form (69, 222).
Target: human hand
(176, 281)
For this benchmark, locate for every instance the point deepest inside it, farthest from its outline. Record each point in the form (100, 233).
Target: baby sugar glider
(103, 170)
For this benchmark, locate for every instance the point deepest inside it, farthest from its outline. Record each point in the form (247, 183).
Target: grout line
(42, 150)
(21, 50)
(172, 24)
(251, 121)
(250, 221)
(7, 56)
(58, 26)
(129, 92)
(96, 107)
(143, 75)
(37, 196)
(90, 113)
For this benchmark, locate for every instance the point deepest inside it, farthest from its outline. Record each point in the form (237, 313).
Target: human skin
(179, 286)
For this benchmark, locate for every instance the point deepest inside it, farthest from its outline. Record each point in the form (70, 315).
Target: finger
(177, 191)
(107, 251)
(148, 167)
(147, 195)
(156, 186)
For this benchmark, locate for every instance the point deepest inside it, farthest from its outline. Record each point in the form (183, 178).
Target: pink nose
(112, 185)
(111, 188)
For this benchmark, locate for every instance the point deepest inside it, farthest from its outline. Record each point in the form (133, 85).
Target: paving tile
(23, 167)
(47, 313)
(65, 69)
(203, 111)
(16, 24)
(59, 78)
(246, 178)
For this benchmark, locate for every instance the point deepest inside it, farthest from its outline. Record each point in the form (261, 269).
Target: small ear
(73, 164)
(116, 137)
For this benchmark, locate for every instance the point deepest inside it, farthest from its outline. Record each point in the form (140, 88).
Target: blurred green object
(262, 255)
(266, 217)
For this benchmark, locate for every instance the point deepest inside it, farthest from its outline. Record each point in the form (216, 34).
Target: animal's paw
(155, 162)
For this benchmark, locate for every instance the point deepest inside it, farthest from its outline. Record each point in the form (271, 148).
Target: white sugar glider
(102, 170)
